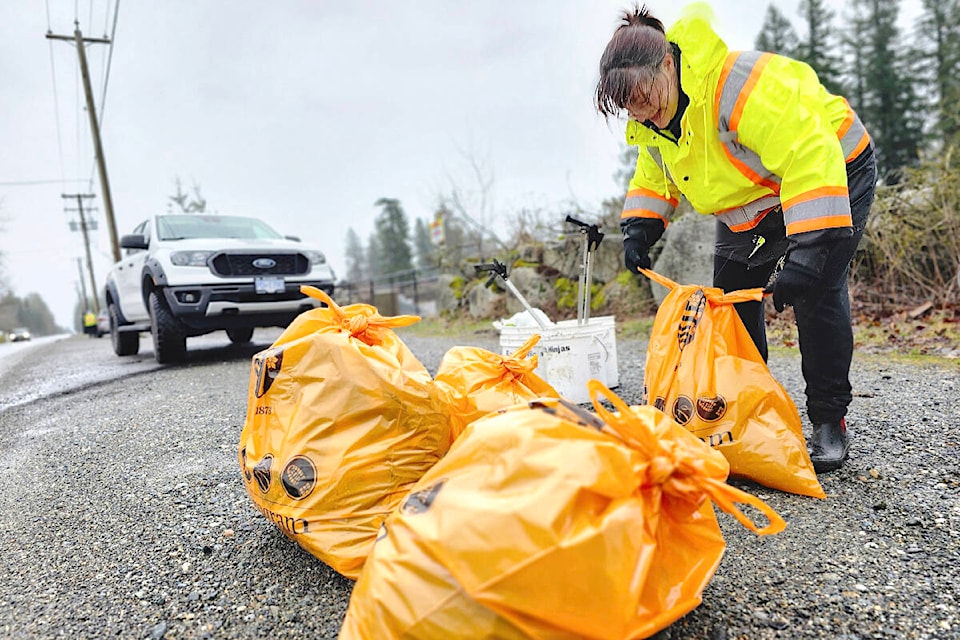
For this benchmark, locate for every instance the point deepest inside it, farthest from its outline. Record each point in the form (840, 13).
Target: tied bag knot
(355, 325)
(361, 321)
(659, 471)
(517, 364)
(680, 470)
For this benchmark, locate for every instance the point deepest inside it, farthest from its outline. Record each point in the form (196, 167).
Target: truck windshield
(179, 227)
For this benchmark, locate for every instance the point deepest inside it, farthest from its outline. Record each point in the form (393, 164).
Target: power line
(26, 183)
(106, 74)
(80, 42)
(84, 227)
(56, 99)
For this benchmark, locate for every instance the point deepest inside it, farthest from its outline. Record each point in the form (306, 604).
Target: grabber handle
(594, 235)
(499, 270)
(497, 267)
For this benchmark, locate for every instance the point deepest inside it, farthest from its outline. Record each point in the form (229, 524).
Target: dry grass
(933, 333)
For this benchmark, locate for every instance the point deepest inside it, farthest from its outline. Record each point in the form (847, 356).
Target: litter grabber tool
(591, 237)
(499, 270)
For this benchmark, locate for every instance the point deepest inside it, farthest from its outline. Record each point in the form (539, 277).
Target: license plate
(269, 284)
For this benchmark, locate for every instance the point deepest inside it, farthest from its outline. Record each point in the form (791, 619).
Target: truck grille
(232, 265)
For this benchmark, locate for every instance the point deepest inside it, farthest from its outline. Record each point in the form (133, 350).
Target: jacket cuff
(811, 248)
(645, 230)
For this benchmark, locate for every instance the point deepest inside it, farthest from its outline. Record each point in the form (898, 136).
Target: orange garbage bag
(548, 521)
(704, 370)
(342, 420)
(477, 382)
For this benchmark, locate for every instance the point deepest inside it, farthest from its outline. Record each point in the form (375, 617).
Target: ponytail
(640, 16)
(632, 57)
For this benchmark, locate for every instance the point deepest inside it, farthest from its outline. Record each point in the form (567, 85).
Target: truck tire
(169, 341)
(240, 335)
(126, 343)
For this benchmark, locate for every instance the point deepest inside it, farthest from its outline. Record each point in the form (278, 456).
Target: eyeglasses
(645, 103)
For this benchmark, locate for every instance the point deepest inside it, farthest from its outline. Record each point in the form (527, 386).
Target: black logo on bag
(716, 439)
(261, 473)
(711, 409)
(420, 501)
(243, 465)
(682, 409)
(266, 366)
(692, 313)
(299, 477)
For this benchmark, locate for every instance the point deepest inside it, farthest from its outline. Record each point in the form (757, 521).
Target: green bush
(910, 251)
(567, 291)
(458, 285)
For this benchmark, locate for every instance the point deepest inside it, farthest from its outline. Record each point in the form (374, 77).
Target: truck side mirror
(133, 241)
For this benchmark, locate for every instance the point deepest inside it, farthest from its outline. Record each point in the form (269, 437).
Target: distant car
(186, 275)
(103, 323)
(20, 334)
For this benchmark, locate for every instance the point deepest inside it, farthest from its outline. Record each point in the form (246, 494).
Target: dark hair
(632, 57)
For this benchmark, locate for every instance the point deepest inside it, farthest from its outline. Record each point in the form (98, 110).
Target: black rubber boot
(829, 446)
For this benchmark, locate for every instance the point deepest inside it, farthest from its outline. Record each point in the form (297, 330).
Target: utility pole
(86, 244)
(83, 285)
(78, 38)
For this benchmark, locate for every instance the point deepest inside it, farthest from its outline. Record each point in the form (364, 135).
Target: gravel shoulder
(122, 513)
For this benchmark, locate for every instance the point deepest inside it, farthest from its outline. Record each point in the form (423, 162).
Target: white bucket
(605, 330)
(570, 354)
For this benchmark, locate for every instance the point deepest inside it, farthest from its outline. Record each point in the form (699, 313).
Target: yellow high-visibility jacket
(760, 131)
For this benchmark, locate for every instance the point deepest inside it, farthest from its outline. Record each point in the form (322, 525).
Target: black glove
(804, 266)
(794, 283)
(639, 234)
(636, 254)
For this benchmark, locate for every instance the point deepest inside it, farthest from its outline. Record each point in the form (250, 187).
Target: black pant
(823, 321)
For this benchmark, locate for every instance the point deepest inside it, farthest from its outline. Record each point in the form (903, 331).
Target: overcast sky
(303, 113)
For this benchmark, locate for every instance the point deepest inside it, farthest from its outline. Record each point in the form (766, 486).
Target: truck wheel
(240, 335)
(169, 343)
(126, 343)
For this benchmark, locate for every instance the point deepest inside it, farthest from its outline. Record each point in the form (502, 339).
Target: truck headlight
(315, 257)
(190, 258)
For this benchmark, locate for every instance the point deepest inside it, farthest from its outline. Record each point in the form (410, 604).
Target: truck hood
(235, 244)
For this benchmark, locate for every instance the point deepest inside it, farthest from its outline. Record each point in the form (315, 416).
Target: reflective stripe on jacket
(760, 131)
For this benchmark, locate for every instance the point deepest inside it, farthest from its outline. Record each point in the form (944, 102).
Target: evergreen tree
(355, 258)
(820, 47)
(852, 38)
(776, 33)
(393, 237)
(374, 256)
(889, 105)
(938, 45)
(31, 312)
(423, 245)
(35, 314)
(8, 311)
(4, 284)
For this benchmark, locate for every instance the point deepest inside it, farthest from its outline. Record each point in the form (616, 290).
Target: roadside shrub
(910, 251)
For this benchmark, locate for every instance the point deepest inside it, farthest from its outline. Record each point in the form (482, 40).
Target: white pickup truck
(187, 275)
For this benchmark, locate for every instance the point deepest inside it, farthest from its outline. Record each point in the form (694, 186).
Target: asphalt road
(123, 514)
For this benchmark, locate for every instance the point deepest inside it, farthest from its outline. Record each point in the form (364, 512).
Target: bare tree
(184, 202)
(474, 207)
